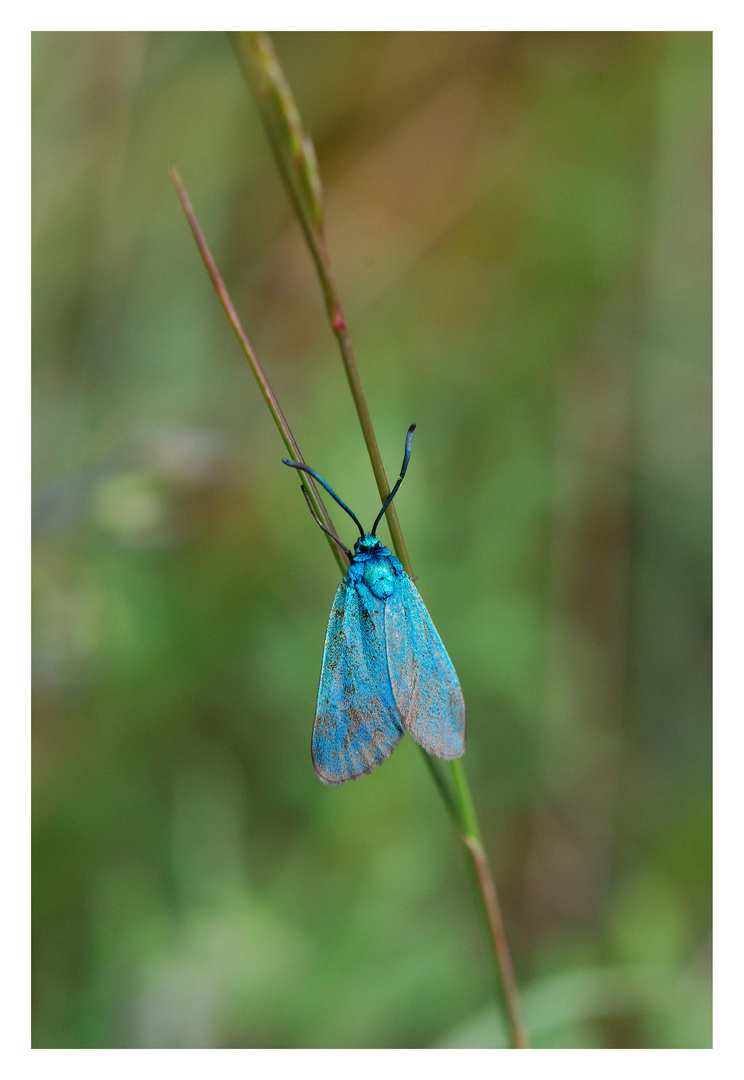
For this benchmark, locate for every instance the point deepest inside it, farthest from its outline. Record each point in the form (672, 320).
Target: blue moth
(385, 670)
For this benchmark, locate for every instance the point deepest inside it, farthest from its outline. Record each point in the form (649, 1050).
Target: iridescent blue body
(385, 669)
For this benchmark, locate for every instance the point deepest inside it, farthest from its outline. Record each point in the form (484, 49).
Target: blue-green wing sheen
(357, 722)
(423, 680)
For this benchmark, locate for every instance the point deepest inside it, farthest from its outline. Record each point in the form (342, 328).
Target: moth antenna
(404, 466)
(311, 472)
(328, 532)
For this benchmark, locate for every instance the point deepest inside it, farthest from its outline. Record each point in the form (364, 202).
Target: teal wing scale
(357, 723)
(423, 680)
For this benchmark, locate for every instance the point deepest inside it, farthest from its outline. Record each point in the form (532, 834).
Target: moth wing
(357, 724)
(425, 686)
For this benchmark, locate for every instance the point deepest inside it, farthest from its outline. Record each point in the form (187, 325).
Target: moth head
(367, 545)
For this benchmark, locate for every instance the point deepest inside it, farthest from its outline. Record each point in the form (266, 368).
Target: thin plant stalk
(261, 378)
(295, 157)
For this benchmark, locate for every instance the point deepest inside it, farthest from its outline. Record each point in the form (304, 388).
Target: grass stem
(295, 157)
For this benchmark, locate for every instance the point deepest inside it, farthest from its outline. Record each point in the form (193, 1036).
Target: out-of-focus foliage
(520, 226)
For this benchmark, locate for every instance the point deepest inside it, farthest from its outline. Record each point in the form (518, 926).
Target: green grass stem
(295, 156)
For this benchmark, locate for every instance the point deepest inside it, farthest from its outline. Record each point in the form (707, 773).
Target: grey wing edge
(425, 684)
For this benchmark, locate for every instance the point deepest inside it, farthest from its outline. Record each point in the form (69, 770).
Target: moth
(385, 670)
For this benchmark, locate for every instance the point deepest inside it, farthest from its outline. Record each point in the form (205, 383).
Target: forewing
(425, 686)
(356, 721)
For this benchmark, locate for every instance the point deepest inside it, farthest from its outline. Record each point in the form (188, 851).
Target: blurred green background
(520, 227)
